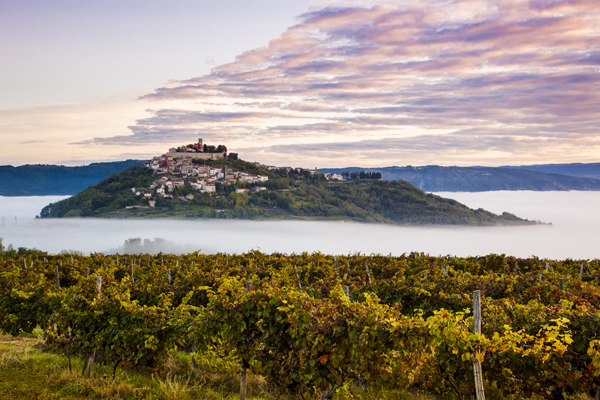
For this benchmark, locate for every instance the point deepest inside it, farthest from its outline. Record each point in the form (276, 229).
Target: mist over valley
(574, 216)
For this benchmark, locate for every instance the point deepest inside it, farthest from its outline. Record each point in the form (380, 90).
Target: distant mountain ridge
(590, 170)
(47, 180)
(433, 178)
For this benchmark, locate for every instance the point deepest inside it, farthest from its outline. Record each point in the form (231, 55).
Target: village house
(209, 188)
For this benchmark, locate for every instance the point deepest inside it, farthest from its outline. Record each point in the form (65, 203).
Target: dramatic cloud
(452, 82)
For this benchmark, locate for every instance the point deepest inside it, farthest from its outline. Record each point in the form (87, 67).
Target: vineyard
(316, 325)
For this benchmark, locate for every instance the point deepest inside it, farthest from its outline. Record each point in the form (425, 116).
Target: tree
(232, 156)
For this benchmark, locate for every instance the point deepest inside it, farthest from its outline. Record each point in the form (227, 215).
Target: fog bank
(575, 217)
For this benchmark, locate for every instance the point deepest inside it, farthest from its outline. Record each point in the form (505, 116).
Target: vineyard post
(243, 371)
(169, 274)
(297, 277)
(562, 284)
(57, 278)
(25, 263)
(132, 277)
(581, 272)
(99, 283)
(368, 274)
(87, 272)
(477, 330)
(347, 291)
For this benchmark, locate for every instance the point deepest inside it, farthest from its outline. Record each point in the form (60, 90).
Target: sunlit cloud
(453, 82)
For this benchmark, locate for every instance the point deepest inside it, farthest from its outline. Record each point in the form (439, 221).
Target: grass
(28, 372)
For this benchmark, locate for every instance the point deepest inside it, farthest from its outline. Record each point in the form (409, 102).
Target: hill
(257, 193)
(591, 170)
(433, 178)
(47, 180)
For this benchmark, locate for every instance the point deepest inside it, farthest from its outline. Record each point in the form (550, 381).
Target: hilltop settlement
(203, 181)
(184, 166)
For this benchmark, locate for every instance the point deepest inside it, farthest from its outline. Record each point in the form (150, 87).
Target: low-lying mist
(575, 218)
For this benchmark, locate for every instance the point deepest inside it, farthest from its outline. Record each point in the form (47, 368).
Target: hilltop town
(200, 181)
(185, 166)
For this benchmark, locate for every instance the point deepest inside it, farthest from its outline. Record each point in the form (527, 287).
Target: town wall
(194, 155)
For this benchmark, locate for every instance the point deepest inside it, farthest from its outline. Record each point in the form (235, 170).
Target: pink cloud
(527, 67)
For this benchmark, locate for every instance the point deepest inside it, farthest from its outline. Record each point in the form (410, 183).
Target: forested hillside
(46, 180)
(287, 195)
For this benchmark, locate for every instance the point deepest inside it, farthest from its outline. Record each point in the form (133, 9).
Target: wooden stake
(562, 284)
(478, 374)
(581, 275)
(297, 277)
(243, 370)
(91, 364)
(99, 283)
(86, 273)
(57, 278)
(368, 274)
(347, 291)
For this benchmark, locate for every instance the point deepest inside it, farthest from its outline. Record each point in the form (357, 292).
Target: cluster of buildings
(179, 168)
(179, 171)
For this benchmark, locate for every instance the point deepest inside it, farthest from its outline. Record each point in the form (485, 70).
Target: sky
(302, 83)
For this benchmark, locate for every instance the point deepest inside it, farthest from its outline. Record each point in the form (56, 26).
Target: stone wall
(195, 155)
